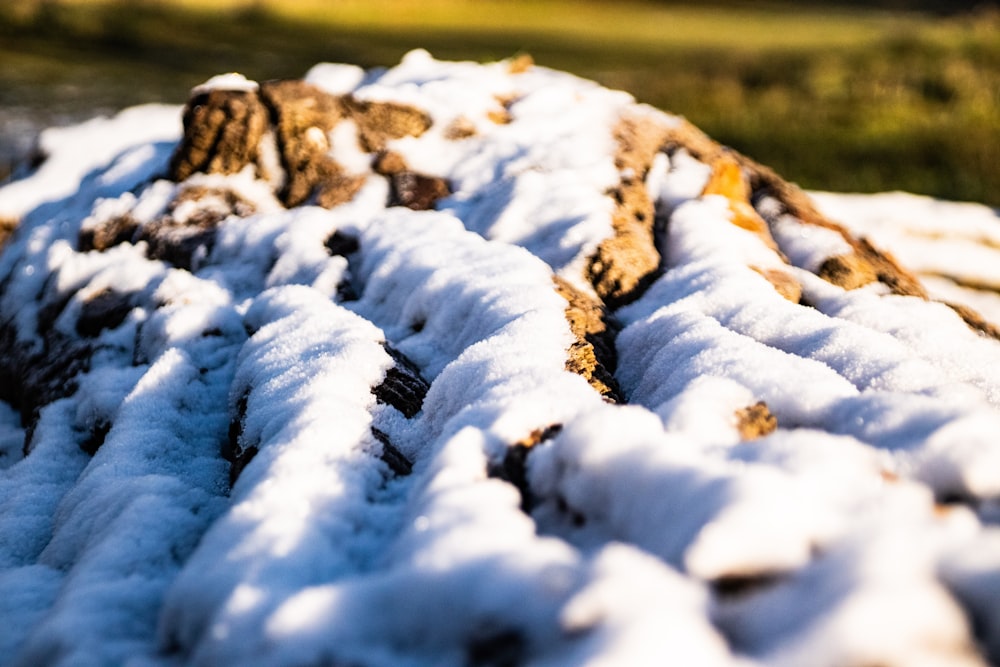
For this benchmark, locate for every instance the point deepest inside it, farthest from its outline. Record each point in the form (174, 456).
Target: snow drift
(461, 364)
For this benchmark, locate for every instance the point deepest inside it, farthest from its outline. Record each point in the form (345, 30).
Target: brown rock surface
(7, 227)
(107, 234)
(592, 356)
(222, 133)
(729, 181)
(408, 188)
(627, 262)
(379, 122)
(303, 116)
(866, 264)
(755, 421)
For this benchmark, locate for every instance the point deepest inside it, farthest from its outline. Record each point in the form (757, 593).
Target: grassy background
(832, 96)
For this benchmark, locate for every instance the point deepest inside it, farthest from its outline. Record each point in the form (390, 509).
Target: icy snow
(862, 531)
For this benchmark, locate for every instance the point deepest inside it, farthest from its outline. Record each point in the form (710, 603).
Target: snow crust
(862, 531)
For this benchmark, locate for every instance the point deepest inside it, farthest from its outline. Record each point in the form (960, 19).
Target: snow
(233, 81)
(220, 482)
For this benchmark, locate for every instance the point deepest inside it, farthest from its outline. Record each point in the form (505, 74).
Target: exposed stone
(186, 230)
(185, 233)
(408, 188)
(380, 122)
(416, 191)
(178, 244)
(211, 205)
(975, 321)
(403, 387)
(847, 271)
(32, 380)
(397, 462)
(513, 467)
(460, 128)
(499, 648)
(592, 355)
(235, 450)
(389, 163)
(755, 421)
(107, 234)
(500, 116)
(682, 134)
(520, 64)
(7, 227)
(339, 188)
(627, 262)
(730, 587)
(222, 133)
(765, 182)
(728, 180)
(303, 116)
(341, 244)
(96, 436)
(105, 310)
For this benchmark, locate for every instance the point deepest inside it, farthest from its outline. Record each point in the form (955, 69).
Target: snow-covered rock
(464, 364)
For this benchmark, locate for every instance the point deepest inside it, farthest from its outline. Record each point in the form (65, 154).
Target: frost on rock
(464, 364)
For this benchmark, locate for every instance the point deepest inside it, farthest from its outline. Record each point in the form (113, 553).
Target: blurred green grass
(847, 99)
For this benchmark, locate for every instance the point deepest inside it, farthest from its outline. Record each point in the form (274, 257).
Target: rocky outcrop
(282, 130)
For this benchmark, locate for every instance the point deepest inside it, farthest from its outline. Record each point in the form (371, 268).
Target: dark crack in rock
(234, 449)
(105, 310)
(340, 244)
(403, 387)
(514, 466)
(391, 456)
(503, 648)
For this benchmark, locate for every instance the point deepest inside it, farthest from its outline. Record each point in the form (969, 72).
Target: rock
(378, 122)
(406, 390)
(105, 310)
(627, 262)
(397, 462)
(303, 116)
(593, 354)
(7, 227)
(755, 421)
(403, 387)
(415, 191)
(729, 181)
(513, 467)
(107, 234)
(223, 130)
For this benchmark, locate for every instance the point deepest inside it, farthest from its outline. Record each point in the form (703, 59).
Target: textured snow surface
(224, 482)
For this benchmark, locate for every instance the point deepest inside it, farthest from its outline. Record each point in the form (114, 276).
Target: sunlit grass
(642, 24)
(836, 99)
